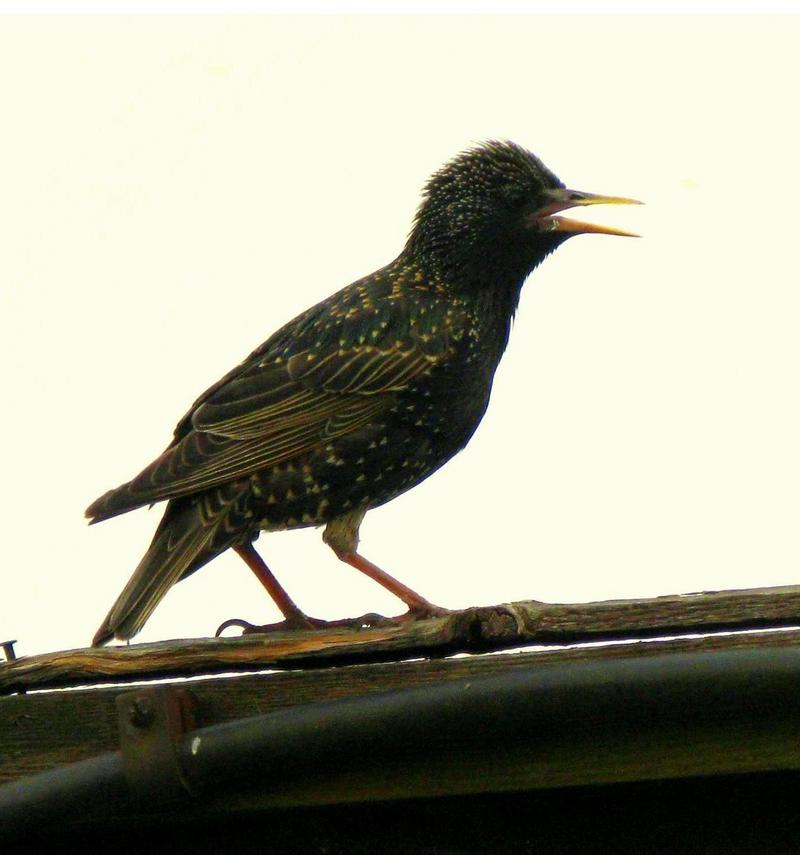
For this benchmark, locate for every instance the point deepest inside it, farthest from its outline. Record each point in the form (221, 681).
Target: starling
(360, 397)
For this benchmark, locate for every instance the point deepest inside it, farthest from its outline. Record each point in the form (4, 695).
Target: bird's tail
(191, 533)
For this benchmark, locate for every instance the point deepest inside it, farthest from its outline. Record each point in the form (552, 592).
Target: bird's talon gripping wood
(423, 613)
(285, 625)
(367, 621)
(360, 397)
(233, 622)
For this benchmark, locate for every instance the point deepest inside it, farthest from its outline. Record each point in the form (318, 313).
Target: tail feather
(111, 504)
(190, 534)
(137, 492)
(120, 500)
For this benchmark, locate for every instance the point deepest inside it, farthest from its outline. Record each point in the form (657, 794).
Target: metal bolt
(140, 712)
(8, 649)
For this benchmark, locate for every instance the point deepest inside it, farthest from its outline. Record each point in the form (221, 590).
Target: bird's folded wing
(272, 411)
(309, 389)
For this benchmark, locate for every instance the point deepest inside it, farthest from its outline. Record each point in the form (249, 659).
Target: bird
(359, 398)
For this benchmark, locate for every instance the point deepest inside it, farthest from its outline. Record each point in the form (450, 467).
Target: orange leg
(418, 606)
(294, 618)
(293, 615)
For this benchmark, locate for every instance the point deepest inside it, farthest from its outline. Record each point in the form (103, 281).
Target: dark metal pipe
(88, 789)
(561, 708)
(566, 704)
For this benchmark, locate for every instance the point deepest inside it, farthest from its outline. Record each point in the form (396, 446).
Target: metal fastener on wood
(151, 723)
(140, 712)
(8, 649)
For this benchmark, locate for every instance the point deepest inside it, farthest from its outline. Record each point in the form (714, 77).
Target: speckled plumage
(360, 397)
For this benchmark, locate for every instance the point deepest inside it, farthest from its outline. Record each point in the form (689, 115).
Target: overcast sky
(174, 189)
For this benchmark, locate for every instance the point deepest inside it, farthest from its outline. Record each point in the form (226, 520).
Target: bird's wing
(275, 412)
(309, 388)
(276, 406)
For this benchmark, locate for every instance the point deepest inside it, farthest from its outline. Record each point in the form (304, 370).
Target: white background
(174, 189)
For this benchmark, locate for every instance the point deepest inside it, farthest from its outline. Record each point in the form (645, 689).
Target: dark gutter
(634, 718)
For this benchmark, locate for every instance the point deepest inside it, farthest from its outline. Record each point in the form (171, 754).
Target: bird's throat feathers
(498, 263)
(491, 284)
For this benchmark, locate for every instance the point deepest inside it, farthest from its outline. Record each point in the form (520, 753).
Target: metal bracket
(151, 722)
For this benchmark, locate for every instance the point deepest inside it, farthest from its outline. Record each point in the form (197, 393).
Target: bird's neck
(492, 290)
(488, 305)
(494, 310)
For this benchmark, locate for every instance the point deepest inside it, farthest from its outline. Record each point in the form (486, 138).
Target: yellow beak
(562, 199)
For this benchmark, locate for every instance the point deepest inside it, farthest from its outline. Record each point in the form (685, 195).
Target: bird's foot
(304, 622)
(422, 612)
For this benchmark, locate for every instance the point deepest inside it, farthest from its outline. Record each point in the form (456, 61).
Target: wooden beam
(469, 630)
(44, 730)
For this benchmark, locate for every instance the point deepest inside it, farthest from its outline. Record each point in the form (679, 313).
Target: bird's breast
(424, 425)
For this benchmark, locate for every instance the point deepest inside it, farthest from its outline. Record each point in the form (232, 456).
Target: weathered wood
(46, 729)
(470, 630)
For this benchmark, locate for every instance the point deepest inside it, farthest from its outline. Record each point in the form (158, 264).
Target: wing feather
(284, 401)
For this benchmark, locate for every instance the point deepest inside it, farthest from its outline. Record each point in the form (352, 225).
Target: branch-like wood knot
(489, 626)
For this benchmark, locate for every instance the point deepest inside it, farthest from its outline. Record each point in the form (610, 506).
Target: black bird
(359, 398)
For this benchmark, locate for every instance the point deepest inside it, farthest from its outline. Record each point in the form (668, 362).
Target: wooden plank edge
(472, 630)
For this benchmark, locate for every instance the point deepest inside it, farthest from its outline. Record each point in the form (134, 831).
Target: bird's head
(489, 216)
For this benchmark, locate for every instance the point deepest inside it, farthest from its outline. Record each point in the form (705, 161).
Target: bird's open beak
(562, 199)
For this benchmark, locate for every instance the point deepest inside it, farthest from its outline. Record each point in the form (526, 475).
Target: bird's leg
(341, 534)
(294, 618)
(418, 606)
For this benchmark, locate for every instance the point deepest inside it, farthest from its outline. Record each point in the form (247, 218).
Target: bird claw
(422, 613)
(242, 624)
(303, 622)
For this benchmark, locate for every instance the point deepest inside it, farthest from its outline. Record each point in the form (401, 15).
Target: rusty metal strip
(151, 722)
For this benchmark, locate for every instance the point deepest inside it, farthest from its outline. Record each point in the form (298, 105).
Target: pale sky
(175, 189)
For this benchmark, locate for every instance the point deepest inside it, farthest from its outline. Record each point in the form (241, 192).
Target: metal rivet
(140, 713)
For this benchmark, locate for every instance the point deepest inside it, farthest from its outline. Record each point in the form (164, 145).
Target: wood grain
(473, 630)
(42, 730)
